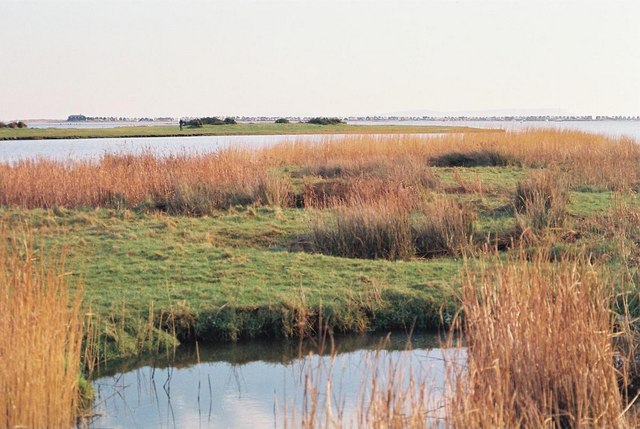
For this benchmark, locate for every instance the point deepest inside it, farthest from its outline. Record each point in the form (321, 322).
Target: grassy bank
(225, 130)
(361, 233)
(233, 275)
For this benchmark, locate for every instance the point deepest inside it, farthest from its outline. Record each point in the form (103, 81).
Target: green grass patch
(231, 276)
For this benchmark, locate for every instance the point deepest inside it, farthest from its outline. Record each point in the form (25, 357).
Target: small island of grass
(227, 129)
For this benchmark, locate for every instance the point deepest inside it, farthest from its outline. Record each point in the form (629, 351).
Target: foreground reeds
(541, 348)
(40, 340)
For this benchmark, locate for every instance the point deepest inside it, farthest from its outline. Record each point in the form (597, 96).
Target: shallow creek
(259, 384)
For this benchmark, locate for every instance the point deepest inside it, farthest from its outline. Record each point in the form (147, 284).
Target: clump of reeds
(395, 226)
(358, 191)
(370, 230)
(276, 191)
(406, 170)
(539, 348)
(344, 181)
(474, 158)
(444, 227)
(40, 339)
(541, 200)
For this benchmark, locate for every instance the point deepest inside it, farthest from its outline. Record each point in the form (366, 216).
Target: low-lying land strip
(225, 130)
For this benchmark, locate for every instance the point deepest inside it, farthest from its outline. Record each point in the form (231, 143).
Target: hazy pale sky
(303, 57)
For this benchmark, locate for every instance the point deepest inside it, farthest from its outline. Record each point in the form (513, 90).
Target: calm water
(80, 149)
(609, 128)
(75, 149)
(250, 385)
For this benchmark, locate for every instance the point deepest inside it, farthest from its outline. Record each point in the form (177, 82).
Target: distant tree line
(200, 122)
(317, 120)
(325, 121)
(14, 124)
(77, 118)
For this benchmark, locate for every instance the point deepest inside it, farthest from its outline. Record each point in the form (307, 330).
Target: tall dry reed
(40, 339)
(540, 348)
(196, 183)
(191, 184)
(391, 396)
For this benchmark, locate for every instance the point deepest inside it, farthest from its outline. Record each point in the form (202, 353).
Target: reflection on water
(251, 385)
(81, 149)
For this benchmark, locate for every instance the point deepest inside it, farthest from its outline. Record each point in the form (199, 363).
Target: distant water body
(608, 128)
(96, 124)
(87, 149)
(79, 149)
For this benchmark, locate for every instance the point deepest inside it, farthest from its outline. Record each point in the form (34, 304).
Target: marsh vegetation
(41, 337)
(527, 241)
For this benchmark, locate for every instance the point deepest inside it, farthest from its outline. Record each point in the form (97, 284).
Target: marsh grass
(41, 331)
(591, 160)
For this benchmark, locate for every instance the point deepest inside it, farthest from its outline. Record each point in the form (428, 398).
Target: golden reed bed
(238, 176)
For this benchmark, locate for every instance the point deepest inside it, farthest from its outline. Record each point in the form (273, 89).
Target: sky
(316, 57)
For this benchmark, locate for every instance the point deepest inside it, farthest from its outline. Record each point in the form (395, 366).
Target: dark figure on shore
(181, 124)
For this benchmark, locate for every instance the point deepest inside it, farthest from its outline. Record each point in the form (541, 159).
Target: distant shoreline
(229, 130)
